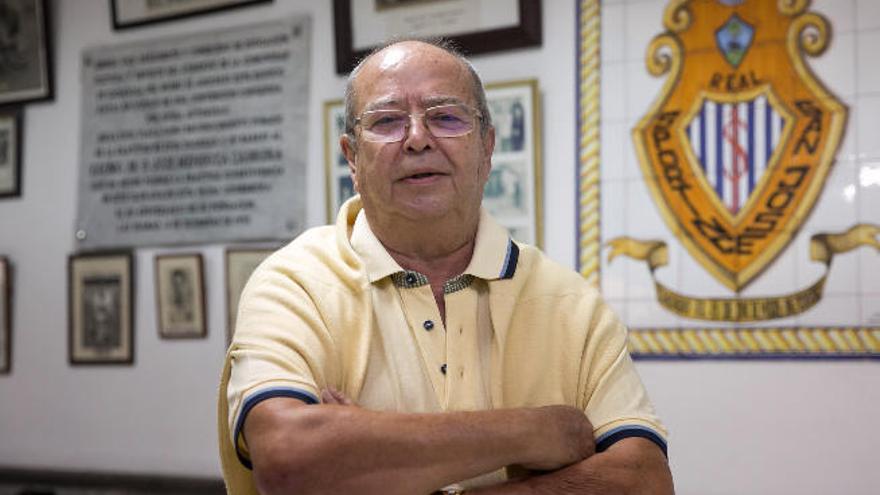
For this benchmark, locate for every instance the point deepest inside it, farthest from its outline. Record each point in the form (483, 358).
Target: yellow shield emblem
(737, 147)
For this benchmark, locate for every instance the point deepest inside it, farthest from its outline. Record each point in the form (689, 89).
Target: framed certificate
(476, 26)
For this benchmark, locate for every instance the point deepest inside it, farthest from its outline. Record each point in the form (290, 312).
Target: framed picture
(25, 65)
(339, 184)
(10, 151)
(513, 191)
(133, 13)
(476, 26)
(101, 308)
(240, 264)
(180, 296)
(5, 316)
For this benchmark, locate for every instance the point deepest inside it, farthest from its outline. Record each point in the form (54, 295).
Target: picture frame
(239, 264)
(475, 26)
(101, 308)
(513, 194)
(339, 186)
(10, 151)
(26, 57)
(5, 316)
(180, 296)
(135, 13)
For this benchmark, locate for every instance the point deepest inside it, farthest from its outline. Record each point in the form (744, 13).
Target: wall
(737, 427)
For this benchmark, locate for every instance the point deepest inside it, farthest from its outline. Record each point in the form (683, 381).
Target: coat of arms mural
(735, 151)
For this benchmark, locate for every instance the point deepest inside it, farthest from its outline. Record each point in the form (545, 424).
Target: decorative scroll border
(681, 343)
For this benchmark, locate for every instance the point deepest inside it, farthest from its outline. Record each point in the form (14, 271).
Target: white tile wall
(843, 12)
(613, 92)
(867, 14)
(868, 70)
(613, 34)
(615, 137)
(836, 68)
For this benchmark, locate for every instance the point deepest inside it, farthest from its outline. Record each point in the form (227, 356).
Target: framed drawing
(180, 296)
(10, 151)
(513, 192)
(132, 13)
(25, 65)
(476, 26)
(240, 263)
(5, 316)
(101, 308)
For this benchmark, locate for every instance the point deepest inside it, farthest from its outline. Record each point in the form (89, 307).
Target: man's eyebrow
(381, 103)
(432, 101)
(428, 101)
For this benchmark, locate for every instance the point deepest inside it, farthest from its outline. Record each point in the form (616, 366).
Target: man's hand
(567, 438)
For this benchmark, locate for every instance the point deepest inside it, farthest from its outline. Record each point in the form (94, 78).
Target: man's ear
(488, 148)
(349, 150)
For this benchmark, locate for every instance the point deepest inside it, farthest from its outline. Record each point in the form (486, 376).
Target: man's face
(421, 176)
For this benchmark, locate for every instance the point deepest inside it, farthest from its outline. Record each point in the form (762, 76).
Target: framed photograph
(180, 296)
(133, 13)
(101, 308)
(476, 26)
(240, 264)
(5, 316)
(513, 192)
(339, 184)
(10, 151)
(25, 65)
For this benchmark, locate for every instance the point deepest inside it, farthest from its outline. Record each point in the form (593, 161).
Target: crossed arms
(340, 448)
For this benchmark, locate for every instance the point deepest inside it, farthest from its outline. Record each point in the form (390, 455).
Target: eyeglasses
(442, 121)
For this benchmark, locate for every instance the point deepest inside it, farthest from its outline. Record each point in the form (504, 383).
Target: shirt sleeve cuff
(254, 399)
(610, 437)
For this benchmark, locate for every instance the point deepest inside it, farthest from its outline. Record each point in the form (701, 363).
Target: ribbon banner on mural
(735, 151)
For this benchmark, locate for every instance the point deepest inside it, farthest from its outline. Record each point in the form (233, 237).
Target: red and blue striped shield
(734, 144)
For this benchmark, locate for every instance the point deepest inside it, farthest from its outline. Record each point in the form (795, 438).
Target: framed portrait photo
(133, 13)
(240, 264)
(180, 296)
(476, 26)
(101, 308)
(5, 316)
(10, 151)
(25, 65)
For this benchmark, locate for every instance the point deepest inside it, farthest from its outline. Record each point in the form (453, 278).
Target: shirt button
(443, 369)
(428, 324)
(410, 278)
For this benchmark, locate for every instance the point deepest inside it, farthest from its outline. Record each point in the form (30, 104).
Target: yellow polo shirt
(333, 309)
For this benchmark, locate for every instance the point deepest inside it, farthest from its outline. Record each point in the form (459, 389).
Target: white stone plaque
(195, 139)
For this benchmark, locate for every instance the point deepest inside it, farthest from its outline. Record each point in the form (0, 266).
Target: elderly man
(414, 347)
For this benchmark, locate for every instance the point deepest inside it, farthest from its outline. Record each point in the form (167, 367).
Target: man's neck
(438, 250)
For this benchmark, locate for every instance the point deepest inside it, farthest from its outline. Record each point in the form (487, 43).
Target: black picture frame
(11, 128)
(5, 316)
(527, 33)
(182, 11)
(101, 308)
(28, 55)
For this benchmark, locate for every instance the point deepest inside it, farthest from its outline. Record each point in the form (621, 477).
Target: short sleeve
(617, 403)
(281, 347)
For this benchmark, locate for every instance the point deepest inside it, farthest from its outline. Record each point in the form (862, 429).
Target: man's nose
(417, 137)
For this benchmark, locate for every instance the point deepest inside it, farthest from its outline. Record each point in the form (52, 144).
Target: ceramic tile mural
(737, 165)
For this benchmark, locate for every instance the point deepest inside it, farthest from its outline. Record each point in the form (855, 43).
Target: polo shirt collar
(495, 254)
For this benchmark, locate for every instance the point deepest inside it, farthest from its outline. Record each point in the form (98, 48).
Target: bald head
(395, 52)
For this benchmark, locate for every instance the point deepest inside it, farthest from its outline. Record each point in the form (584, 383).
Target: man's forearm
(339, 449)
(633, 466)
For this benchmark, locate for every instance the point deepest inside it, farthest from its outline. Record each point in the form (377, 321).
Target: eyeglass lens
(441, 121)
